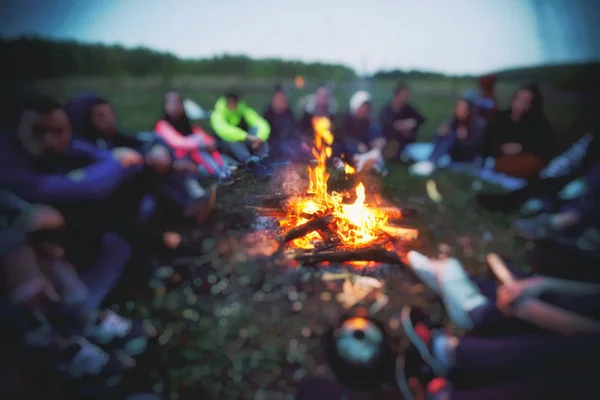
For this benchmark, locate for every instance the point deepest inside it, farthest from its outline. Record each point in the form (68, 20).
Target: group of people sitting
(81, 200)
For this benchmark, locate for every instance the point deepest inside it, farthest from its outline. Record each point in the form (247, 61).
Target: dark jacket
(78, 109)
(387, 118)
(532, 132)
(283, 126)
(81, 173)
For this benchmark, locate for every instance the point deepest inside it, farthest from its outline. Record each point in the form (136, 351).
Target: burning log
(317, 224)
(278, 200)
(266, 211)
(380, 255)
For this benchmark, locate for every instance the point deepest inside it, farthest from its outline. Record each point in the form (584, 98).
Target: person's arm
(204, 138)
(555, 319)
(568, 287)
(418, 117)
(93, 183)
(376, 138)
(174, 138)
(225, 130)
(254, 119)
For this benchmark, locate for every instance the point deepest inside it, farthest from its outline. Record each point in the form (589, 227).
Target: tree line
(35, 58)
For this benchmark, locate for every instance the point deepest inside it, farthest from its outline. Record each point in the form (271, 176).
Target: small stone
(297, 306)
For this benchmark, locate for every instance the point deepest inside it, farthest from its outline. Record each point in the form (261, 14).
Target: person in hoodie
(243, 131)
(286, 142)
(320, 104)
(42, 164)
(190, 141)
(400, 122)
(358, 137)
(167, 180)
(520, 139)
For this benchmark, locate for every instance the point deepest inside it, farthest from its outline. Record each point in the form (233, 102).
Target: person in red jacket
(191, 141)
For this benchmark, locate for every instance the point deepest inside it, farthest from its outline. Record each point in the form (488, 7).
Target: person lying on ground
(358, 138)
(400, 123)
(286, 142)
(520, 139)
(572, 170)
(522, 325)
(190, 141)
(460, 138)
(445, 366)
(319, 104)
(166, 179)
(56, 313)
(243, 131)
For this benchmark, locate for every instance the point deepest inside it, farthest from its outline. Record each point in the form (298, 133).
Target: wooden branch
(316, 224)
(366, 254)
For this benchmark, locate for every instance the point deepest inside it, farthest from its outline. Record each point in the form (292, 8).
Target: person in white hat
(360, 139)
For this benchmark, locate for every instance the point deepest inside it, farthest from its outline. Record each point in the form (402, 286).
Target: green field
(245, 329)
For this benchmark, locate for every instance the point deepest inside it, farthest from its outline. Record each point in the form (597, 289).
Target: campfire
(321, 227)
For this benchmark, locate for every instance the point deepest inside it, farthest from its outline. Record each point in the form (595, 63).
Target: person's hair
(232, 95)
(537, 103)
(40, 104)
(400, 87)
(278, 88)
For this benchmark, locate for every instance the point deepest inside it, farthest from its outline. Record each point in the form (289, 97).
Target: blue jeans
(103, 273)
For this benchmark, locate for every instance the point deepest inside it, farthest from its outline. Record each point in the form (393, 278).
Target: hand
(159, 158)
(255, 141)
(462, 132)
(128, 157)
(510, 149)
(40, 217)
(183, 166)
(508, 296)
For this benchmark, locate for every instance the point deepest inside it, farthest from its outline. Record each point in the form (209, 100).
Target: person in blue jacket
(43, 165)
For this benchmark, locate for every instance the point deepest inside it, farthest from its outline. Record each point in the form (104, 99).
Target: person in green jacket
(243, 131)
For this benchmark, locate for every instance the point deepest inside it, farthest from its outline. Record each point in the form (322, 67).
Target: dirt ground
(236, 324)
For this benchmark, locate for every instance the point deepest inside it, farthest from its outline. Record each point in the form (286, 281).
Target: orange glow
(348, 169)
(299, 81)
(355, 224)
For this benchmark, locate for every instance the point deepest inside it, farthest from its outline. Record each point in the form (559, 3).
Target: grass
(247, 328)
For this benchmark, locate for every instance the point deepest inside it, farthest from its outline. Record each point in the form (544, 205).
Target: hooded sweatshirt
(79, 112)
(358, 130)
(232, 125)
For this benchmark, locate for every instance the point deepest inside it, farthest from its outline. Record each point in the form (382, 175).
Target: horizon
(531, 40)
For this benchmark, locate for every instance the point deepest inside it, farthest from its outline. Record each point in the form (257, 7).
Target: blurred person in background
(319, 104)
(358, 138)
(400, 122)
(243, 132)
(190, 141)
(520, 139)
(286, 141)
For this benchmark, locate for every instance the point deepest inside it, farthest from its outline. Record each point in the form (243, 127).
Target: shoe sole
(419, 344)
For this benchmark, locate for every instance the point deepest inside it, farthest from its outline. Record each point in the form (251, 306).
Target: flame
(356, 223)
(348, 169)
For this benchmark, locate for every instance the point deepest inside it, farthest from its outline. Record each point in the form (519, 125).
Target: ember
(324, 226)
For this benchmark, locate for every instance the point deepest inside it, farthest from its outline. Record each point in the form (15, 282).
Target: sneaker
(89, 368)
(113, 331)
(421, 332)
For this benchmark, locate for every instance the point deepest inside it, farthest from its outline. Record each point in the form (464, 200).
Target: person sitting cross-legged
(191, 142)
(243, 131)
